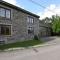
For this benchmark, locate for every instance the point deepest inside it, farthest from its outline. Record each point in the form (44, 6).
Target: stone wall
(19, 26)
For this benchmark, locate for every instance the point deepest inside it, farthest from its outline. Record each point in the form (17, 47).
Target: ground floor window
(5, 29)
(30, 30)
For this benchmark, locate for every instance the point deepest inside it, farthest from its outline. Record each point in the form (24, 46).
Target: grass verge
(21, 44)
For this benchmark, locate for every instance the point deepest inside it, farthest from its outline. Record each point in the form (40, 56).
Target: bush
(36, 37)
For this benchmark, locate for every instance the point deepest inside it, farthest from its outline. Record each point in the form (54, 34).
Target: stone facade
(19, 24)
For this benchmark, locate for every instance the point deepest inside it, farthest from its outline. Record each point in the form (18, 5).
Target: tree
(56, 24)
(46, 20)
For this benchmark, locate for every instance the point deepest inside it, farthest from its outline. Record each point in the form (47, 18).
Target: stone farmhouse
(17, 24)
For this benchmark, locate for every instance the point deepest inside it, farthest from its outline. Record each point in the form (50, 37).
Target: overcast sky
(52, 7)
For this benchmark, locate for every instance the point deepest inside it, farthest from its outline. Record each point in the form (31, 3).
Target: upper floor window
(5, 13)
(2, 12)
(30, 20)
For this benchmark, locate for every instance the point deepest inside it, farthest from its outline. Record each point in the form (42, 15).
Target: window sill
(4, 18)
(6, 35)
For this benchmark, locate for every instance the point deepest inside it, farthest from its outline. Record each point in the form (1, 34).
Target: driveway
(51, 52)
(51, 40)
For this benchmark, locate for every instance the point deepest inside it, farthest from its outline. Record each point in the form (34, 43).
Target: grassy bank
(21, 44)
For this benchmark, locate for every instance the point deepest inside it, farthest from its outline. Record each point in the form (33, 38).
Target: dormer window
(5, 13)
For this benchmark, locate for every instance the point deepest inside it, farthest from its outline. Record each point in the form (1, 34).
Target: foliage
(21, 44)
(47, 20)
(56, 24)
(36, 37)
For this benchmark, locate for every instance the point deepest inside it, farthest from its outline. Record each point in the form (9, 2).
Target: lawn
(20, 44)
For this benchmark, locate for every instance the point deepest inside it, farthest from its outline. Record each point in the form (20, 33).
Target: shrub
(36, 37)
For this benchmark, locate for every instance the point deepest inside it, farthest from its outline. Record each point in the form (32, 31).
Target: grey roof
(18, 8)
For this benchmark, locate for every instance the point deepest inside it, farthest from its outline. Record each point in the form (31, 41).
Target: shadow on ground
(47, 39)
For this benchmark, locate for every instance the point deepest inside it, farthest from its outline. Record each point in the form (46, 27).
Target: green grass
(20, 44)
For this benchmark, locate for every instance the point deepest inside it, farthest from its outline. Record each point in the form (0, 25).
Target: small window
(30, 30)
(30, 20)
(5, 30)
(2, 12)
(7, 13)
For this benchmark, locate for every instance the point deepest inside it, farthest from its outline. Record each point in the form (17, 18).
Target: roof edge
(18, 8)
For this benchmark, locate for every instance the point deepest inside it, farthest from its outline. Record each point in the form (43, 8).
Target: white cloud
(49, 11)
(11, 1)
(14, 2)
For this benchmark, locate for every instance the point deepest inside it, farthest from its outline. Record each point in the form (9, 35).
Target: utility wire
(41, 5)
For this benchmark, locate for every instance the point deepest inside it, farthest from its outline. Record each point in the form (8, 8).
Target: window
(5, 13)
(30, 30)
(2, 12)
(30, 20)
(5, 30)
